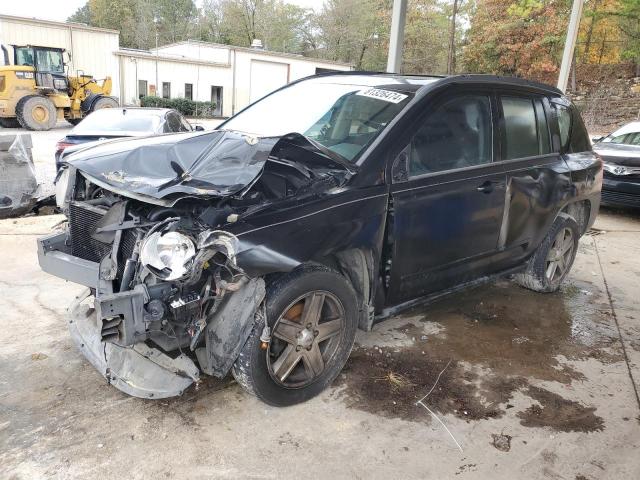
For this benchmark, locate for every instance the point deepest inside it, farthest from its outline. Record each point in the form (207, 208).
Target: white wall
(256, 73)
(202, 77)
(298, 67)
(197, 50)
(93, 50)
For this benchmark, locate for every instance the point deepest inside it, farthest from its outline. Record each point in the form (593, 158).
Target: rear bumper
(620, 192)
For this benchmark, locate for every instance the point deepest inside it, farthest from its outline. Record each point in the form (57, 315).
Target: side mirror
(199, 128)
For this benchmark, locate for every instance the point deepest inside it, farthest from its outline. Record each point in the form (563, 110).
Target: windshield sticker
(386, 95)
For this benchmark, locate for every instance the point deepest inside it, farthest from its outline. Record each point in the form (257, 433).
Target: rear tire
(35, 112)
(306, 352)
(554, 257)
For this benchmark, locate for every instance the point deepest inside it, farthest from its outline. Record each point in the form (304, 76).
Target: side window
(456, 134)
(173, 123)
(521, 128)
(543, 128)
(573, 134)
(564, 125)
(184, 125)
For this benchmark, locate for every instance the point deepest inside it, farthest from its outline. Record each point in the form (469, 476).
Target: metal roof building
(230, 76)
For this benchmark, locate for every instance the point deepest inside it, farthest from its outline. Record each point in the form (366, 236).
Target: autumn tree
(523, 38)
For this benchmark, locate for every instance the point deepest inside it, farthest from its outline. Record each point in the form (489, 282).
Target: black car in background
(332, 203)
(620, 152)
(109, 123)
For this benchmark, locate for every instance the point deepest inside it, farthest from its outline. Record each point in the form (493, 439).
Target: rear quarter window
(573, 134)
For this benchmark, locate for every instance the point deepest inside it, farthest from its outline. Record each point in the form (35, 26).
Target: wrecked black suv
(331, 203)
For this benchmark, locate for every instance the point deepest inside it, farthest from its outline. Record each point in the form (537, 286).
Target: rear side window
(456, 134)
(526, 133)
(573, 134)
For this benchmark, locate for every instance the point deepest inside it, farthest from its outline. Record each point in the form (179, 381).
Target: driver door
(448, 211)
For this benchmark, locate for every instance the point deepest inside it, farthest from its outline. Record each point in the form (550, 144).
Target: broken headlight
(168, 255)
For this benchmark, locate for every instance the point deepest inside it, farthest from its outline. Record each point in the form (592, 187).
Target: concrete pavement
(528, 385)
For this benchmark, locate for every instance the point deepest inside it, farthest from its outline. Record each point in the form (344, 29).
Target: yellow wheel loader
(35, 90)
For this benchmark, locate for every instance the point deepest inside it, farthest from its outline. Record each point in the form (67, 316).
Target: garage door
(266, 77)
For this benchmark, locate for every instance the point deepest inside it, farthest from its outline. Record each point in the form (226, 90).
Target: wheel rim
(305, 338)
(40, 114)
(559, 256)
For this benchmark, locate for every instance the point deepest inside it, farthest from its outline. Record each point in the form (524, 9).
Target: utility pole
(451, 58)
(570, 44)
(398, 19)
(155, 21)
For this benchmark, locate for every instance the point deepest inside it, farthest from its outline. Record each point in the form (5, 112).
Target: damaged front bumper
(114, 331)
(138, 370)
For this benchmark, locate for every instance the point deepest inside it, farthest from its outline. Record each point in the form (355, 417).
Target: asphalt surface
(529, 386)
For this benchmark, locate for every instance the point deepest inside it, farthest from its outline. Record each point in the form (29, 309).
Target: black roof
(418, 79)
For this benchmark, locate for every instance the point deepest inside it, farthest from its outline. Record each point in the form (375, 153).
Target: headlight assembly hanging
(169, 255)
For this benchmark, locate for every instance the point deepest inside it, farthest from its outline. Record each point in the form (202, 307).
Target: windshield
(631, 138)
(343, 118)
(119, 120)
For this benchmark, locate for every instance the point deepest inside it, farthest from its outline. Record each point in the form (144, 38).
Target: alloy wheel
(559, 256)
(305, 338)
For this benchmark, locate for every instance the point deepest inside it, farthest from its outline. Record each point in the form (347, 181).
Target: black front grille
(83, 220)
(82, 224)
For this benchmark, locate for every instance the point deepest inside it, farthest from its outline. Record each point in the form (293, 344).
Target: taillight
(61, 145)
(2, 83)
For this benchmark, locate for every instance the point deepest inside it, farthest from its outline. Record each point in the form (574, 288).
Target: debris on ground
(18, 184)
(501, 441)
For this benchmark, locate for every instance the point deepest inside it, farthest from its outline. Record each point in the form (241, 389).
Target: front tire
(313, 315)
(554, 257)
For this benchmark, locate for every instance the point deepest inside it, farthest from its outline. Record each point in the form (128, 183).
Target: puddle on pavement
(493, 339)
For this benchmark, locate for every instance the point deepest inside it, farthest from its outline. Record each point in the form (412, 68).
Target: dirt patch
(559, 413)
(492, 338)
(391, 383)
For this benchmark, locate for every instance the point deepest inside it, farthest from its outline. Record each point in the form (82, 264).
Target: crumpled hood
(217, 163)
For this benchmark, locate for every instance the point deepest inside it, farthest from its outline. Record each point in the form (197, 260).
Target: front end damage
(152, 338)
(166, 297)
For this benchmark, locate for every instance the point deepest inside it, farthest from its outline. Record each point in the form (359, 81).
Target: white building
(232, 77)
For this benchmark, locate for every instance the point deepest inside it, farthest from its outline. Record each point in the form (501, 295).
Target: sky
(60, 10)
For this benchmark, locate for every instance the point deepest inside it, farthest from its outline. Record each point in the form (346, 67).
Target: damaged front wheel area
(312, 314)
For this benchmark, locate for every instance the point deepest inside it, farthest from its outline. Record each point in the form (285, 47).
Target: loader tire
(104, 102)
(35, 112)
